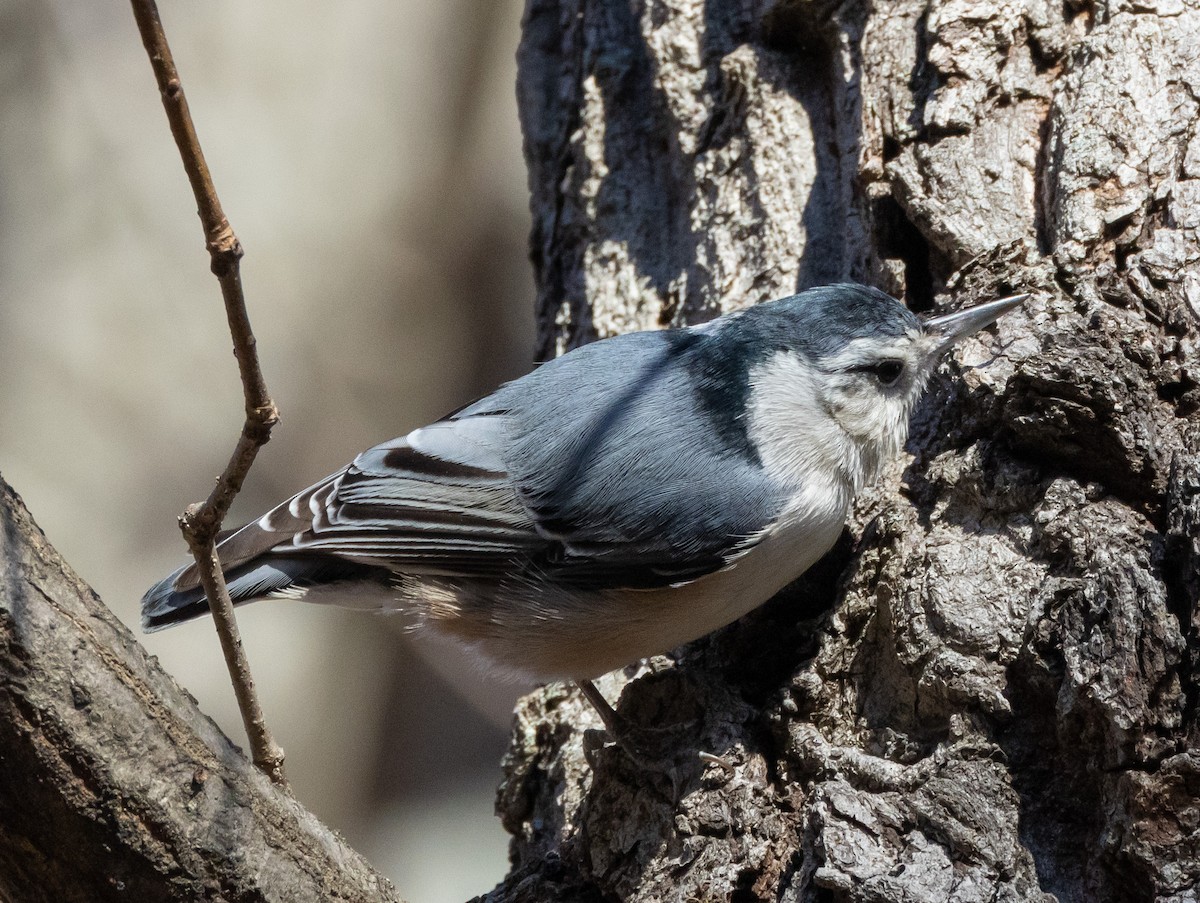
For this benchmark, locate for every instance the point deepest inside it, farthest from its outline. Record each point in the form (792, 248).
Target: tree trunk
(113, 785)
(989, 690)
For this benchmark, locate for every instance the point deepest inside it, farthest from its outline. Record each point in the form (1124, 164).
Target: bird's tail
(258, 560)
(166, 603)
(261, 559)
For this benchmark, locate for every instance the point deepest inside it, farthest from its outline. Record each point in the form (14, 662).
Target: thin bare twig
(201, 522)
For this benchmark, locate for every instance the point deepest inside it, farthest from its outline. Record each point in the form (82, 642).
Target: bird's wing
(436, 501)
(580, 475)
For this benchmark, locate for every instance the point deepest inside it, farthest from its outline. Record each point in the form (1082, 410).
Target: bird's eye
(887, 372)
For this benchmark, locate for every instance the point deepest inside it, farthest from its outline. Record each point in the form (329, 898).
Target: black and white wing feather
(439, 501)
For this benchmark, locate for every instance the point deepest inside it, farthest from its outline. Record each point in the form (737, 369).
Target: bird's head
(839, 371)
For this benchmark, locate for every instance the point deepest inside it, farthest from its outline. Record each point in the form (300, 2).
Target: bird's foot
(661, 748)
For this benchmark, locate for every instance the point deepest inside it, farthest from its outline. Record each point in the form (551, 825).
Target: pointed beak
(952, 327)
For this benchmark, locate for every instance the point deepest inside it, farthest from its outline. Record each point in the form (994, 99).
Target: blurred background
(369, 158)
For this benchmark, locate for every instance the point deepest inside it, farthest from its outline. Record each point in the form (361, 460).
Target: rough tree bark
(113, 784)
(989, 691)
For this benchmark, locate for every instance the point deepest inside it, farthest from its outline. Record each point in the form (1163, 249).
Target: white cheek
(870, 416)
(794, 431)
(856, 408)
(888, 426)
(829, 427)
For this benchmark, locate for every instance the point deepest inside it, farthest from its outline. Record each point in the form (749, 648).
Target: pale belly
(549, 633)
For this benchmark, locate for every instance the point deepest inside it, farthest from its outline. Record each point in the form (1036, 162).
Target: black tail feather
(163, 605)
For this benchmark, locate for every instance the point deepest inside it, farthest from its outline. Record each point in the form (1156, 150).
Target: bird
(620, 500)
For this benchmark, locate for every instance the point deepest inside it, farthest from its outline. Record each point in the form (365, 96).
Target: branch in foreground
(200, 523)
(113, 785)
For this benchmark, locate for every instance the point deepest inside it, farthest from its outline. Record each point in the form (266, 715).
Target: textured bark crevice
(989, 692)
(113, 785)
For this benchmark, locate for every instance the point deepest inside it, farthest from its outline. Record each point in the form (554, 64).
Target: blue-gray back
(632, 454)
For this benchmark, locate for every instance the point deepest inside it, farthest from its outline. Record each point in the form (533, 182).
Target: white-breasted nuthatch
(632, 495)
